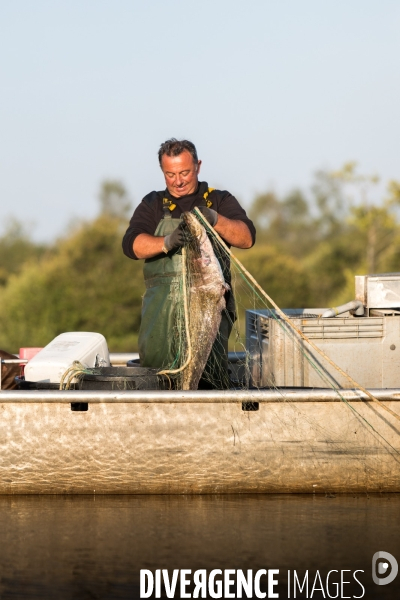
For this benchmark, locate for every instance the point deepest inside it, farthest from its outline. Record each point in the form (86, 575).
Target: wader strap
(169, 205)
(206, 199)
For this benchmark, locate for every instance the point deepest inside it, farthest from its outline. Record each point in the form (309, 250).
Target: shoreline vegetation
(309, 247)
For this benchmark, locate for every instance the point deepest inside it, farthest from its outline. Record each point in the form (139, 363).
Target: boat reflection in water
(94, 546)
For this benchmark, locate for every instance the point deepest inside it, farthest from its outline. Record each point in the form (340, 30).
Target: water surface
(78, 547)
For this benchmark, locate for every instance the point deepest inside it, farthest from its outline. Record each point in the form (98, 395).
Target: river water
(85, 547)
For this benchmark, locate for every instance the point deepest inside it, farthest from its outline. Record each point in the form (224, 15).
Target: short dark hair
(174, 147)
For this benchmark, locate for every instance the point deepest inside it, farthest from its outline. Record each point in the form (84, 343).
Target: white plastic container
(51, 363)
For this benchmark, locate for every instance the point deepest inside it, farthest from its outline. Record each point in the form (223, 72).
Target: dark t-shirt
(150, 212)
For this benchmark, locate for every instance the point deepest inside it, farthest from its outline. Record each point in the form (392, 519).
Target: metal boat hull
(196, 443)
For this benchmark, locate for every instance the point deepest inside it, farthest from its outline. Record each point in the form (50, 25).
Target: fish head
(193, 225)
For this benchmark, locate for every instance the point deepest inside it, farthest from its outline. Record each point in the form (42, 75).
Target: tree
(86, 284)
(334, 234)
(16, 248)
(114, 199)
(279, 274)
(285, 222)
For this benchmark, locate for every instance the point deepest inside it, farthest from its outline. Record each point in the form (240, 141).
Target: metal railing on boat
(267, 395)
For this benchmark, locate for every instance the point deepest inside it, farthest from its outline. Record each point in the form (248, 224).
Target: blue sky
(269, 91)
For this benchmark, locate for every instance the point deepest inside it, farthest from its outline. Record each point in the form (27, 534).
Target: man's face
(181, 174)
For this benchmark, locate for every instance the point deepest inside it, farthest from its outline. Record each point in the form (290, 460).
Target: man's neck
(186, 195)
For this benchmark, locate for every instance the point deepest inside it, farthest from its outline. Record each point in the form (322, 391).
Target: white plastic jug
(51, 363)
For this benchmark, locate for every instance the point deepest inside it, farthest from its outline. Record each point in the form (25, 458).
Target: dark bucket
(38, 385)
(123, 379)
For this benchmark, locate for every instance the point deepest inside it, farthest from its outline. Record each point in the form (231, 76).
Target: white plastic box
(51, 363)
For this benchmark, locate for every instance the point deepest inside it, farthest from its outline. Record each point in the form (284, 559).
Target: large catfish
(206, 288)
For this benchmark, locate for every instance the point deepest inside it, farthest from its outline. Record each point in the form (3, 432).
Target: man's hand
(176, 239)
(210, 214)
(234, 232)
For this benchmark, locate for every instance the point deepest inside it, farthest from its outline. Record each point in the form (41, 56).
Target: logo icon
(384, 563)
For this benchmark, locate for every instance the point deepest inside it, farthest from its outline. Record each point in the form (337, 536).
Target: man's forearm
(236, 233)
(147, 246)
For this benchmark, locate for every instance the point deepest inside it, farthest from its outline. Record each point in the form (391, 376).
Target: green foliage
(16, 249)
(327, 268)
(285, 223)
(113, 198)
(87, 285)
(332, 236)
(309, 247)
(265, 263)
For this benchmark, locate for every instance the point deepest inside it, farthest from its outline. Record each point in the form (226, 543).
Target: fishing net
(80, 377)
(246, 371)
(203, 319)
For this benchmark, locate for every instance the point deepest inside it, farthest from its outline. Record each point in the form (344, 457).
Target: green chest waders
(163, 278)
(162, 307)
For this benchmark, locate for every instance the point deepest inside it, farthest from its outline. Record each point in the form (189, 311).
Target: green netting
(202, 343)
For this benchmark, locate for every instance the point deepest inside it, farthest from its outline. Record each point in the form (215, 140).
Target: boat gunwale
(270, 395)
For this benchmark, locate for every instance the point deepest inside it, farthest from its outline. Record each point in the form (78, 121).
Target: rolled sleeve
(230, 208)
(143, 220)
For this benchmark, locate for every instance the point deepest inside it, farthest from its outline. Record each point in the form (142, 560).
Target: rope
(77, 369)
(291, 324)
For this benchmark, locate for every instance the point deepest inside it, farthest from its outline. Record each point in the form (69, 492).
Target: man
(156, 235)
